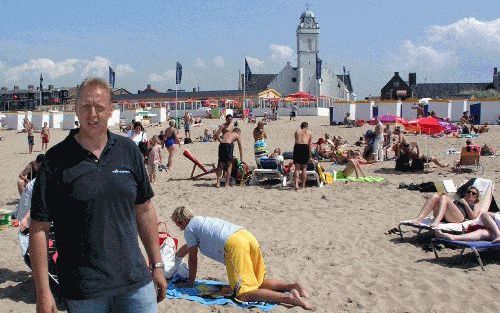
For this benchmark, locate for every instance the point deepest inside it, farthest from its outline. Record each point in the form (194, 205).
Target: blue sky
(441, 40)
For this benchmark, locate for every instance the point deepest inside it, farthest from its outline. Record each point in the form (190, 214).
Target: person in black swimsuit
(226, 148)
(451, 211)
(301, 153)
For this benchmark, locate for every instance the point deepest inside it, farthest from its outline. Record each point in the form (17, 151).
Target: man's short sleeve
(144, 190)
(40, 199)
(191, 239)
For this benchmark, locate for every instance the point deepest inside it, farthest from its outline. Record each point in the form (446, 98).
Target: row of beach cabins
(482, 110)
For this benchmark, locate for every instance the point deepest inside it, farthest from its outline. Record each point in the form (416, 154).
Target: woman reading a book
(451, 211)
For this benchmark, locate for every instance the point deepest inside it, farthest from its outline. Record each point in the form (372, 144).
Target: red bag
(163, 234)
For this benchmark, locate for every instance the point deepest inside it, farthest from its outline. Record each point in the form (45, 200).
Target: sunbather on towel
(354, 162)
(451, 211)
(239, 251)
(487, 228)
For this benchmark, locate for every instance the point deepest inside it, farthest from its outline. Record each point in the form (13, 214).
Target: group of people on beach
(101, 177)
(29, 128)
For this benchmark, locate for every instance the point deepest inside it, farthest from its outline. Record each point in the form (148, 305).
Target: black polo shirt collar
(80, 149)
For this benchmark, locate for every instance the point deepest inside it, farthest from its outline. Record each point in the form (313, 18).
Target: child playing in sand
(487, 228)
(154, 158)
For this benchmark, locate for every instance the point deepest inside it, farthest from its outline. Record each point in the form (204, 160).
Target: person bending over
(451, 211)
(239, 251)
(487, 228)
(29, 173)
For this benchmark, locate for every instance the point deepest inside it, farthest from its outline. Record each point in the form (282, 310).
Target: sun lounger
(485, 187)
(475, 246)
(269, 168)
(311, 173)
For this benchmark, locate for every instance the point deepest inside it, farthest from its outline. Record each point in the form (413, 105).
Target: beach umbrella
(449, 127)
(387, 118)
(430, 125)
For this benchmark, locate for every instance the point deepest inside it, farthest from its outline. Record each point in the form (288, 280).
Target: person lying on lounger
(488, 228)
(451, 211)
(239, 251)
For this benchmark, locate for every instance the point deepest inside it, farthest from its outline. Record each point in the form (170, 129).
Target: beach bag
(168, 248)
(417, 165)
(143, 146)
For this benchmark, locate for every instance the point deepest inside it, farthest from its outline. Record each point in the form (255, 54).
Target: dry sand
(331, 239)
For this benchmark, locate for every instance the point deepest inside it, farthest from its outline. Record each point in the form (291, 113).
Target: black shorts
(226, 152)
(301, 153)
(31, 140)
(293, 114)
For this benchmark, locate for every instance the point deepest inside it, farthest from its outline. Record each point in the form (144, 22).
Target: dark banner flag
(41, 82)
(318, 67)
(112, 76)
(248, 73)
(178, 73)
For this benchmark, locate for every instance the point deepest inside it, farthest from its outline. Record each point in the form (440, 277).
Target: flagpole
(176, 61)
(244, 85)
(41, 95)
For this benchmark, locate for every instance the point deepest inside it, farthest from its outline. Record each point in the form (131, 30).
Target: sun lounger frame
(463, 245)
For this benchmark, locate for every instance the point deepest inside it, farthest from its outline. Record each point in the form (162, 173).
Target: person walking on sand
(171, 138)
(94, 189)
(45, 136)
(154, 158)
(188, 120)
(293, 112)
(240, 252)
(31, 138)
(226, 149)
(301, 153)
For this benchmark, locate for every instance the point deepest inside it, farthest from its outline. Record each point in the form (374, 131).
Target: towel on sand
(469, 136)
(367, 179)
(203, 293)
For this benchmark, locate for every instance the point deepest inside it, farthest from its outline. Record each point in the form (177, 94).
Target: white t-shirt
(210, 235)
(136, 138)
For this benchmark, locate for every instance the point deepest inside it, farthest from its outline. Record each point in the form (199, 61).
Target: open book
(445, 186)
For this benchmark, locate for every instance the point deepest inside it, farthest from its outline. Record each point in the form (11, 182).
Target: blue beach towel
(478, 245)
(201, 293)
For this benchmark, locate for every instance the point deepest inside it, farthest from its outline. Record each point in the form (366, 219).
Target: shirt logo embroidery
(120, 172)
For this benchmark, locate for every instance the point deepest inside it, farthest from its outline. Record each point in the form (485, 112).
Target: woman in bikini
(260, 137)
(451, 211)
(171, 138)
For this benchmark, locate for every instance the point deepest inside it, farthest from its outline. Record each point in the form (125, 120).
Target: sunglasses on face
(471, 192)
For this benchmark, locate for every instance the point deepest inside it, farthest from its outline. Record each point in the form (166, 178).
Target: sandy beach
(331, 239)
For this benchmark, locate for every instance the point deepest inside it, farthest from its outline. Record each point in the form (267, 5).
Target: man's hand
(160, 284)
(46, 304)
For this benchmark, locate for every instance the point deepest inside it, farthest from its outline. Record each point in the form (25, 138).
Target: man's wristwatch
(158, 265)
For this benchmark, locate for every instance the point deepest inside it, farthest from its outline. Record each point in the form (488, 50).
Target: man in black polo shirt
(94, 188)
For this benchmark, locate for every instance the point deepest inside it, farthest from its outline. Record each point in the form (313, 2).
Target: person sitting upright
(451, 211)
(416, 156)
(29, 173)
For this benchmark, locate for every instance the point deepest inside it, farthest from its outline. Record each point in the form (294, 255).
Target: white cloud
(468, 33)
(57, 69)
(199, 63)
(254, 62)
(123, 69)
(168, 75)
(218, 61)
(415, 56)
(281, 52)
